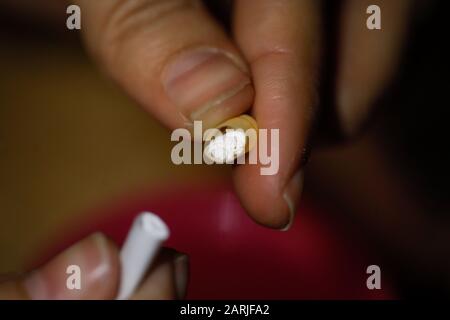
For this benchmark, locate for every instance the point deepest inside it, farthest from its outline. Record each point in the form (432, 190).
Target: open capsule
(234, 140)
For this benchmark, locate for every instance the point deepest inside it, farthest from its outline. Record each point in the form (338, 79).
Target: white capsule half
(141, 246)
(226, 147)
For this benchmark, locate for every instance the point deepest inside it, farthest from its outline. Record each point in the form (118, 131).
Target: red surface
(232, 257)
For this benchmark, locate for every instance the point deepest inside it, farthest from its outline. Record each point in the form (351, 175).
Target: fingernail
(208, 84)
(181, 264)
(73, 273)
(291, 196)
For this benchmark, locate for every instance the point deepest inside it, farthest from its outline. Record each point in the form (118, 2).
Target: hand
(177, 62)
(98, 259)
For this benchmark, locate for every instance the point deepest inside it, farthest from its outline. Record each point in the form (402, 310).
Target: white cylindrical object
(141, 246)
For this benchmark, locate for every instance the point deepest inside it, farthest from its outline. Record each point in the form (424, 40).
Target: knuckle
(128, 22)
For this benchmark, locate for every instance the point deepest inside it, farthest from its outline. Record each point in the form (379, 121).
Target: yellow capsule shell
(243, 122)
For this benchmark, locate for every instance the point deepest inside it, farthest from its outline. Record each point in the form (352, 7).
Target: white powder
(226, 147)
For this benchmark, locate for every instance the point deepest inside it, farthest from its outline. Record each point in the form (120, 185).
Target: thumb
(171, 57)
(97, 262)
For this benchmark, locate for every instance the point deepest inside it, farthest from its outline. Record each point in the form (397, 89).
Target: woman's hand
(98, 260)
(177, 62)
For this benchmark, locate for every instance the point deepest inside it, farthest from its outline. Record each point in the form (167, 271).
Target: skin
(279, 43)
(278, 47)
(98, 259)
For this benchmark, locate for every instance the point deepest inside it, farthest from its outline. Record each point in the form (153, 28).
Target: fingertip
(111, 276)
(87, 270)
(367, 60)
(262, 197)
(179, 75)
(291, 195)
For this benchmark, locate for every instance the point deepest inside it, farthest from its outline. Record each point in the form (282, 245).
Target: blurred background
(72, 142)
